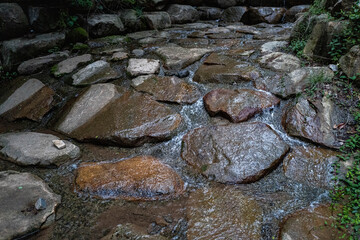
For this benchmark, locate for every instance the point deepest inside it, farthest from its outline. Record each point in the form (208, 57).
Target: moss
(80, 47)
(76, 35)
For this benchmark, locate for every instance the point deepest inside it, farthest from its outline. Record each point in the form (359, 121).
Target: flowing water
(85, 217)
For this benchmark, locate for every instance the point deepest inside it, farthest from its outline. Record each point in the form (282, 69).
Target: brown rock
(169, 89)
(310, 165)
(235, 153)
(125, 118)
(139, 178)
(350, 63)
(32, 100)
(312, 121)
(310, 224)
(238, 105)
(223, 213)
(223, 69)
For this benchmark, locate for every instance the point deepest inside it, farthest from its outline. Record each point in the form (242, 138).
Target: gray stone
(13, 21)
(132, 21)
(281, 62)
(32, 100)
(40, 204)
(118, 56)
(157, 20)
(105, 24)
(182, 13)
(87, 106)
(177, 58)
(209, 13)
(38, 64)
(295, 82)
(273, 46)
(31, 148)
(350, 62)
(270, 15)
(59, 144)
(96, 72)
(234, 153)
(70, 65)
(17, 50)
(291, 13)
(143, 66)
(233, 14)
(138, 52)
(19, 192)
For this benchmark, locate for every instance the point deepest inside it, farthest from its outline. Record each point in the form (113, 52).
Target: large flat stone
(15, 51)
(278, 61)
(139, 178)
(143, 66)
(238, 105)
(96, 72)
(177, 58)
(71, 64)
(19, 193)
(223, 213)
(31, 148)
(32, 100)
(168, 89)
(235, 153)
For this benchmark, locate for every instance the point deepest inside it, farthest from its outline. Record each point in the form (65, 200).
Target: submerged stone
(310, 165)
(223, 213)
(140, 178)
(31, 148)
(169, 89)
(19, 194)
(235, 153)
(238, 105)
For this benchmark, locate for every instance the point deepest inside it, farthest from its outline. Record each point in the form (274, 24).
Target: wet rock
(209, 13)
(273, 46)
(318, 45)
(236, 153)
(127, 118)
(157, 20)
(223, 213)
(238, 105)
(32, 100)
(87, 106)
(312, 120)
(233, 14)
(138, 52)
(97, 72)
(270, 15)
(132, 21)
(140, 178)
(144, 66)
(118, 56)
(19, 192)
(169, 89)
(103, 25)
(310, 224)
(281, 62)
(310, 165)
(17, 50)
(182, 13)
(293, 83)
(130, 231)
(177, 58)
(291, 13)
(350, 62)
(223, 69)
(44, 19)
(14, 22)
(70, 65)
(38, 64)
(31, 148)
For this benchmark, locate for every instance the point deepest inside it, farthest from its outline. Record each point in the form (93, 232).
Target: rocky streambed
(198, 131)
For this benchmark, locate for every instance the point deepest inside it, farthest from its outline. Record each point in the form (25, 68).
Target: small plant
(297, 47)
(54, 50)
(84, 4)
(314, 81)
(7, 76)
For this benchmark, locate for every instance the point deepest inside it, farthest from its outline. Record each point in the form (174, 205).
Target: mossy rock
(80, 47)
(77, 35)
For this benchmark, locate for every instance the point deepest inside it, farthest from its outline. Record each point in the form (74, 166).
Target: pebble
(138, 52)
(40, 204)
(59, 144)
